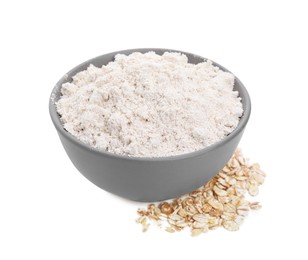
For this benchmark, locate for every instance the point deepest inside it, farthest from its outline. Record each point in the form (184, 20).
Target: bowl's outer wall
(147, 180)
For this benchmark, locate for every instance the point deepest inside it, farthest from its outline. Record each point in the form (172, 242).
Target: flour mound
(150, 105)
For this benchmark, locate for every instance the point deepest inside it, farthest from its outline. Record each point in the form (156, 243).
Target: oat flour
(150, 105)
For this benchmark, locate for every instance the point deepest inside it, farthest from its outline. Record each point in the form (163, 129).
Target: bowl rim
(59, 125)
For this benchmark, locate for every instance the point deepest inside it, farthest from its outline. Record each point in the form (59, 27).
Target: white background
(50, 211)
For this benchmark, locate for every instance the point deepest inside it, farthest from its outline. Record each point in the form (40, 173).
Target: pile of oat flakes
(220, 202)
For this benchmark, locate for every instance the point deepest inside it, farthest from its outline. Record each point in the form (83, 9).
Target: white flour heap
(150, 105)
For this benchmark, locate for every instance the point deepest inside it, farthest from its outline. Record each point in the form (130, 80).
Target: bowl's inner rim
(97, 61)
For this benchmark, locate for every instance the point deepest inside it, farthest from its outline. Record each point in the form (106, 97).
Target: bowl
(147, 179)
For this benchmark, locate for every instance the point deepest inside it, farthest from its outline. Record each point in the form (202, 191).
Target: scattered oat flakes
(219, 203)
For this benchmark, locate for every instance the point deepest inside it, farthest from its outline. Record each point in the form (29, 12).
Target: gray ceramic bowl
(147, 179)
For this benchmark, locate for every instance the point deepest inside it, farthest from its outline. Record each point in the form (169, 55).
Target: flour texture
(149, 105)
